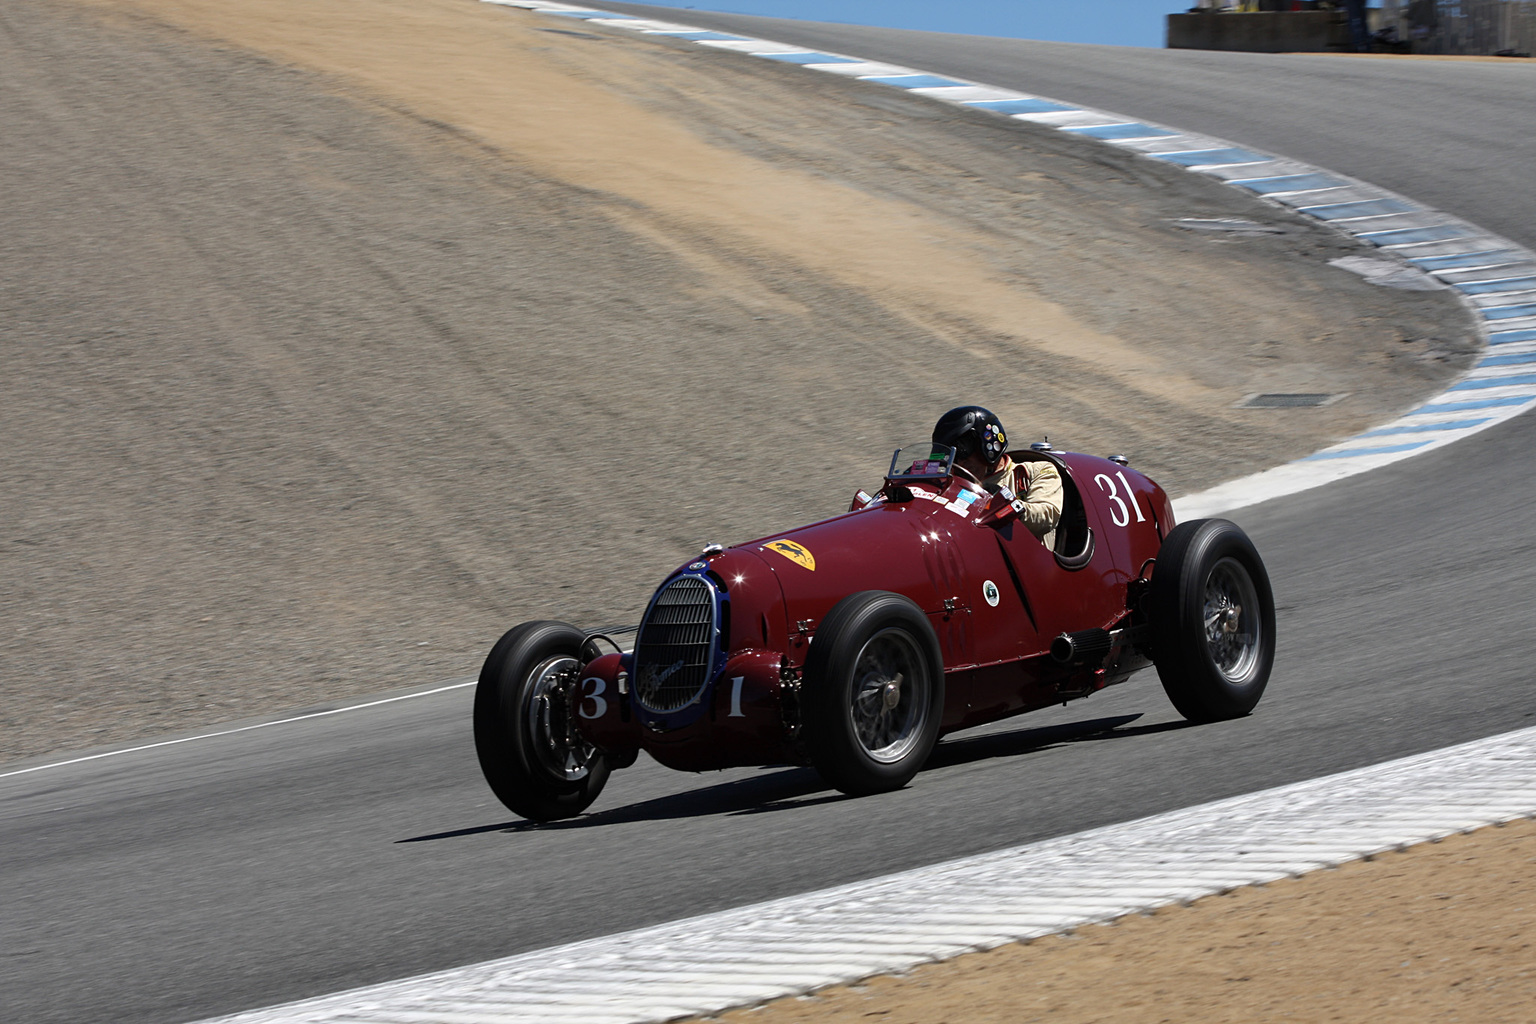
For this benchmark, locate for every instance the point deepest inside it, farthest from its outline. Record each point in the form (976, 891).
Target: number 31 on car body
(1121, 513)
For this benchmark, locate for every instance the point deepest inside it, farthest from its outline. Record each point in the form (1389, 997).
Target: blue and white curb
(1495, 278)
(707, 964)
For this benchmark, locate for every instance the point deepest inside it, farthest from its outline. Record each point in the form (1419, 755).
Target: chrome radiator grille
(675, 649)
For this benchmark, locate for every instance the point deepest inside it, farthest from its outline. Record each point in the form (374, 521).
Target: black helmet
(972, 430)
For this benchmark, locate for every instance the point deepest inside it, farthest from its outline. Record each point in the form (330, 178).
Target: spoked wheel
(874, 692)
(552, 737)
(1234, 628)
(1213, 620)
(536, 761)
(890, 701)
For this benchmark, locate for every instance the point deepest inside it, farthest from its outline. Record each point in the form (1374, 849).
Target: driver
(981, 449)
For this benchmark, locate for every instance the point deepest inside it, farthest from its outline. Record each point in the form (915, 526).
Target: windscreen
(922, 460)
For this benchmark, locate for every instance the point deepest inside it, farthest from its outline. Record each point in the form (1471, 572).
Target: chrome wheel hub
(552, 736)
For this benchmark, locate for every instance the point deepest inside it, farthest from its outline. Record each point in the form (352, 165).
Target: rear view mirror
(861, 499)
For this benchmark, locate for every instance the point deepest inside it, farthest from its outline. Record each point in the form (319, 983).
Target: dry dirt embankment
(341, 334)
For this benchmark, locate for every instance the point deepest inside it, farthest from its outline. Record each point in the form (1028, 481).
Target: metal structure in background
(1503, 27)
(1448, 27)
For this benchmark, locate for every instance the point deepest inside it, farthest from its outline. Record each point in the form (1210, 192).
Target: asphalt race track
(206, 877)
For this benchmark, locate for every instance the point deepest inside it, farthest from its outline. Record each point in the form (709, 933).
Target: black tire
(874, 693)
(529, 751)
(1213, 620)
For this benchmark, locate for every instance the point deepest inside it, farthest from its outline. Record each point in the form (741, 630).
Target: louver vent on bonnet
(675, 649)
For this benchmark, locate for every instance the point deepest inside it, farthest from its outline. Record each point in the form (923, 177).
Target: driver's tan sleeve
(1042, 494)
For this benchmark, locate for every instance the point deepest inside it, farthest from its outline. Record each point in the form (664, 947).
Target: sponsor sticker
(797, 553)
(990, 593)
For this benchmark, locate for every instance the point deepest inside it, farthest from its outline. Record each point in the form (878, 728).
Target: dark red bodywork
(995, 595)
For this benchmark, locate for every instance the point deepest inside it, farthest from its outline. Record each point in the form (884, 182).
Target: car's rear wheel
(874, 693)
(1213, 620)
(525, 729)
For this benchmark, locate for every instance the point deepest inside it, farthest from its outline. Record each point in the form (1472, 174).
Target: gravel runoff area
(339, 335)
(1437, 932)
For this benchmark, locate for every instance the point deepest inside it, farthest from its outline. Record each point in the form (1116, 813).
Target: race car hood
(897, 547)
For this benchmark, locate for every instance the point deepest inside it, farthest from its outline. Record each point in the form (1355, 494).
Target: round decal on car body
(989, 591)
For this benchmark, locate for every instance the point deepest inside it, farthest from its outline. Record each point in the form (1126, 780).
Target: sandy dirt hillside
(339, 335)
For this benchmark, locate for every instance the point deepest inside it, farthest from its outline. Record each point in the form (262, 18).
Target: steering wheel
(961, 470)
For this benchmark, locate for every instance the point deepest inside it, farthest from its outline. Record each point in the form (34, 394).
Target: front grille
(675, 649)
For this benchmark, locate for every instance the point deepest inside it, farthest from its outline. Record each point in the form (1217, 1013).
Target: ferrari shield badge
(796, 553)
(989, 591)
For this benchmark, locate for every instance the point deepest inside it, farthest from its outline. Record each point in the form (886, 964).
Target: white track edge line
(237, 729)
(706, 964)
(1345, 458)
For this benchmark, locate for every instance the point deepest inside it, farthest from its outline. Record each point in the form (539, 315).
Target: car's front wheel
(874, 693)
(525, 731)
(1213, 620)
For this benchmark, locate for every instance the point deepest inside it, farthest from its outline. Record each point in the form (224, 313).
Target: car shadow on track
(970, 749)
(790, 788)
(771, 786)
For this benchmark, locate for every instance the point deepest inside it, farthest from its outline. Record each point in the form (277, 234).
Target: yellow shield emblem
(796, 553)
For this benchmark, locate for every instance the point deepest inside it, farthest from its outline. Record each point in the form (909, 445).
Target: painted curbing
(707, 964)
(1494, 277)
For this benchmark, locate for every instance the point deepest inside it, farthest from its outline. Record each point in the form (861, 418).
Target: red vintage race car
(854, 643)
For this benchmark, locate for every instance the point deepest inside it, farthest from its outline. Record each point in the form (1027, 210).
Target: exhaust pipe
(1087, 645)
